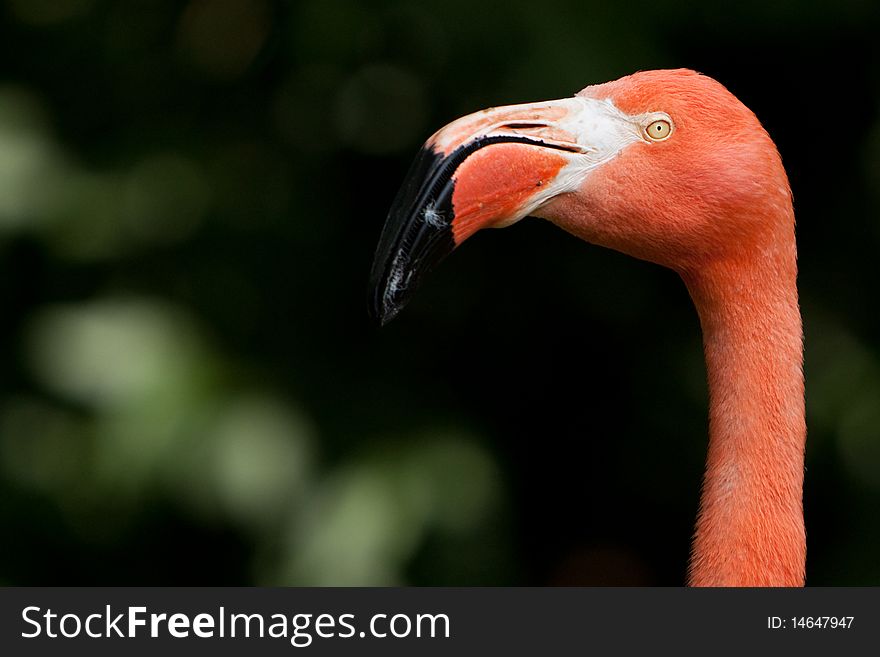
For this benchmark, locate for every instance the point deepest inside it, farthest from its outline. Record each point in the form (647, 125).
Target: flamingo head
(667, 166)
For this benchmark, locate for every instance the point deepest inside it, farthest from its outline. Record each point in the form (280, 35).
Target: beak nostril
(571, 148)
(523, 126)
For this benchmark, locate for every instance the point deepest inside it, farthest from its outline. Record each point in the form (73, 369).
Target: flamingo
(670, 167)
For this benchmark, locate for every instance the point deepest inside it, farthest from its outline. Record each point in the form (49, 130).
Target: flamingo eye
(658, 130)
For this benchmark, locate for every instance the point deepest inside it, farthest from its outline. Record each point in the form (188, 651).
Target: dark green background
(191, 392)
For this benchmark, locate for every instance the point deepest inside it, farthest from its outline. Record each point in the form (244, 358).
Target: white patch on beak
(601, 131)
(600, 128)
(587, 132)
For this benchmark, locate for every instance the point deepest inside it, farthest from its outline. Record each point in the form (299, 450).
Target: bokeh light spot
(300, 108)
(381, 109)
(463, 480)
(353, 534)
(859, 438)
(110, 352)
(165, 198)
(41, 445)
(365, 522)
(262, 459)
(223, 37)
(28, 159)
(48, 12)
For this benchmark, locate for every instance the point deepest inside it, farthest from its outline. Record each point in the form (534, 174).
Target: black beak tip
(382, 315)
(383, 305)
(417, 234)
(394, 285)
(386, 316)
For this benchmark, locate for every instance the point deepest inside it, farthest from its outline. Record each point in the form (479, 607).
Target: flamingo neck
(750, 527)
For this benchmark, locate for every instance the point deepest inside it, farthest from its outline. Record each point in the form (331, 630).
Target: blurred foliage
(190, 193)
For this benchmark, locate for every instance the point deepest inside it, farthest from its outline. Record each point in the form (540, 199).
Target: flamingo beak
(488, 169)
